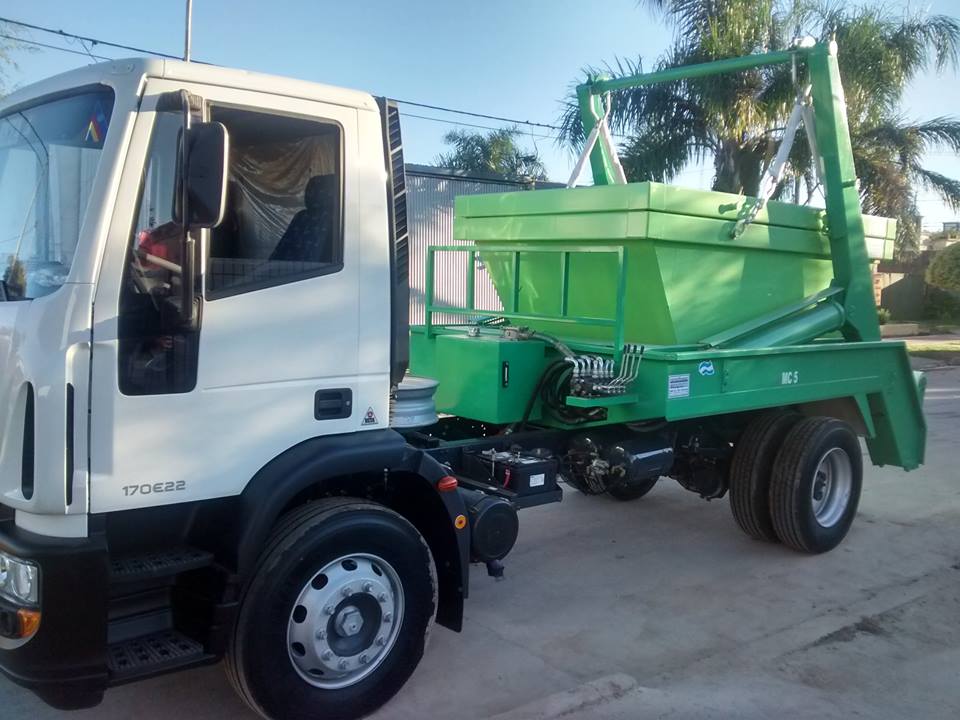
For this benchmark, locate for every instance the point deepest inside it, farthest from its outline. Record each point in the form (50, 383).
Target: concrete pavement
(661, 608)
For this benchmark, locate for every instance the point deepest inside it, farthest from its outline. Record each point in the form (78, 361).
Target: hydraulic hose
(552, 388)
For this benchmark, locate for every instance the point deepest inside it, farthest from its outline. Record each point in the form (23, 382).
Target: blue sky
(514, 59)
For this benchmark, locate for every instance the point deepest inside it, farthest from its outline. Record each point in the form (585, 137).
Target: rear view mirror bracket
(201, 184)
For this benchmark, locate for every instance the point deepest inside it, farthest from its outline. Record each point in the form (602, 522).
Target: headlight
(19, 580)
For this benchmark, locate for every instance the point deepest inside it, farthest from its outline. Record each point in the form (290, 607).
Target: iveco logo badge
(706, 368)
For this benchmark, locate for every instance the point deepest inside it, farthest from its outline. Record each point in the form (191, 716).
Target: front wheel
(335, 619)
(815, 488)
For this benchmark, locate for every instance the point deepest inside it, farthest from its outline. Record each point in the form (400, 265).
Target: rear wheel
(751, 469)
(335, 618)
(816, 484)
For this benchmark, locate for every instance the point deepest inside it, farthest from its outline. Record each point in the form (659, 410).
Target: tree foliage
(496, 152)
(736, 119)
(7, 46)
(944, 270)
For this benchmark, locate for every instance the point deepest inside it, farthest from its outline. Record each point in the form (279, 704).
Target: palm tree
(736, 119)
(496, 151)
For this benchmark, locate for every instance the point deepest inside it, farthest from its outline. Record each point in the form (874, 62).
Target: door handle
(333, 404)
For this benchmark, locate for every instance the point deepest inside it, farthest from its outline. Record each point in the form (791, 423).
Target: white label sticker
(537, 480)
(678, 386)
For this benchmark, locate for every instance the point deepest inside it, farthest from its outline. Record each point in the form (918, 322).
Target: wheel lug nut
(381, 641)
(363, 659)
(382, 597)
(326, 655)
(342, 665)
(346, 592)
(368, 587)
(321, 634)
(388, 617)
(328, 609)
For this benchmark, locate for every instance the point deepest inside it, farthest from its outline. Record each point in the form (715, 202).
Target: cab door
(183, 414)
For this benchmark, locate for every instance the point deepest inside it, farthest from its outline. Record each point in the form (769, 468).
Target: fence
(430, 194)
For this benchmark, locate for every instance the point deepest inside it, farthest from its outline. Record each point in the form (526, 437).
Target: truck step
(157, 564)
(152, 654)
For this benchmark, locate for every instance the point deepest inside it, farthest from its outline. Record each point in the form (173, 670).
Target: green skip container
(685, 276)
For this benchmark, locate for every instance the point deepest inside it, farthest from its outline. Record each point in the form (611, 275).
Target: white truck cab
(167, 397)
(88, 184)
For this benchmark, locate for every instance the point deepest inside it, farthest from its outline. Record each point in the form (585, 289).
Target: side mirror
(208, 154)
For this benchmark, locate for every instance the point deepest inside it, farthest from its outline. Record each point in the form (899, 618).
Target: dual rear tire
(796, 480)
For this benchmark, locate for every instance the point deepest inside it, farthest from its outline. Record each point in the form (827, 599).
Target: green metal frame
(848, 248)
(748, 333)
(786, 356)
(617, 322)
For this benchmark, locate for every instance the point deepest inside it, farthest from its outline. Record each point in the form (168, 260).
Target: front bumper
(65, 661)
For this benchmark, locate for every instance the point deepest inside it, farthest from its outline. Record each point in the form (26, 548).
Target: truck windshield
(49, 155)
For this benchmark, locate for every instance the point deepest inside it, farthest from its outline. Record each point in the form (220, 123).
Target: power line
(84, 53)
(51, 47)
(405, 114)
(145, 51)
(472, 125)
(86, 49)
(95, 41)
(479, 115)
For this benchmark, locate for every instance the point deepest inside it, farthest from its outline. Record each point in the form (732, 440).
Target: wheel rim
(345, 621)
(832, 487)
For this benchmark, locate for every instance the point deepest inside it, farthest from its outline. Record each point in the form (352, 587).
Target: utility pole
(189, 31)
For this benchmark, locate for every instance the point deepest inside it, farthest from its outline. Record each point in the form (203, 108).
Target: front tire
(335, 618)
(815, 488)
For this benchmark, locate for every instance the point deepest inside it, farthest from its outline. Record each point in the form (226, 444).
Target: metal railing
(511, 309)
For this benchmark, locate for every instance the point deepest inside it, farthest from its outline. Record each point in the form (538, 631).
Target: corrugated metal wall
(430, 194)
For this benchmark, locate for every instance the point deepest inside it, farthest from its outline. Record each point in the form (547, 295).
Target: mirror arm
(187, 286)
(188, 277)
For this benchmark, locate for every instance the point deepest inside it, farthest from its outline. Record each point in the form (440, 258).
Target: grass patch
(944, 350)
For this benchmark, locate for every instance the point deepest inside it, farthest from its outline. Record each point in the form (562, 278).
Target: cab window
(49, 155)
(283, 219)
(157, 355)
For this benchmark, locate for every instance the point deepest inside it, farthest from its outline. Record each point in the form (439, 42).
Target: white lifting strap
(601, 131)
(775, 172)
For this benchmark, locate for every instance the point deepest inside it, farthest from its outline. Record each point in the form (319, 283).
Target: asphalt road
(661, 608)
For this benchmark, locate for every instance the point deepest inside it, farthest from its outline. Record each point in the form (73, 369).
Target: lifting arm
(851, 264)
